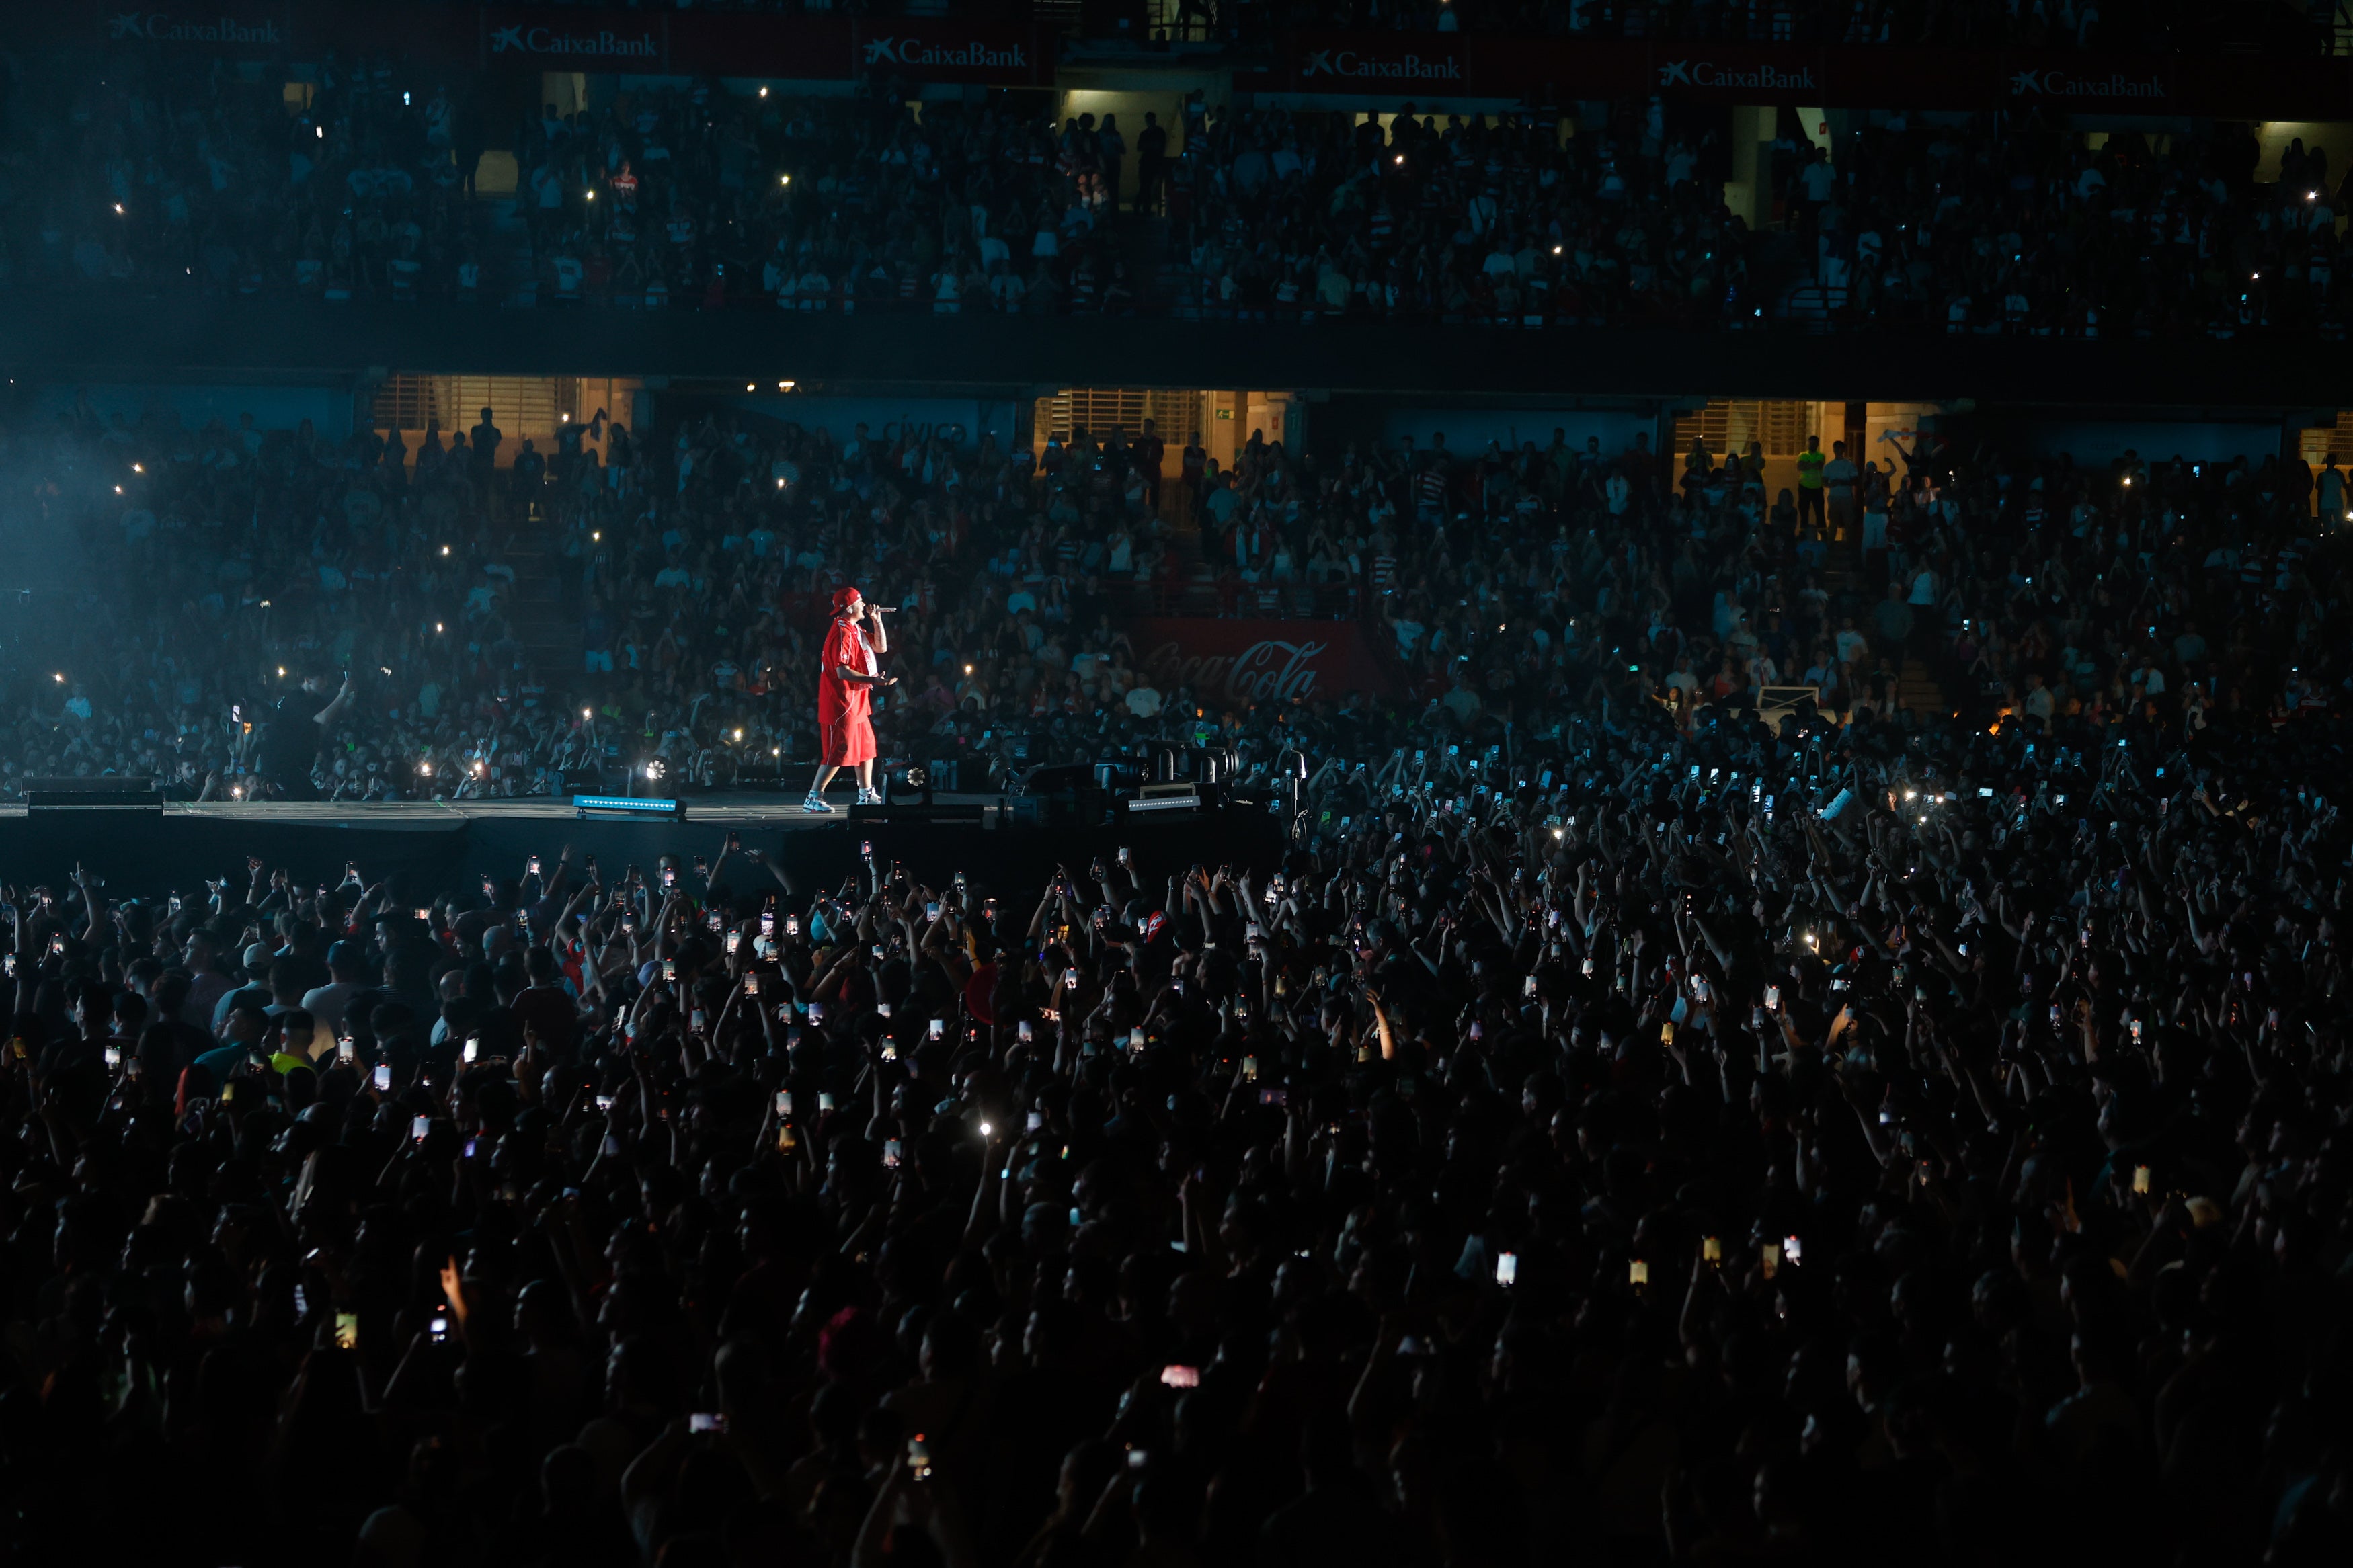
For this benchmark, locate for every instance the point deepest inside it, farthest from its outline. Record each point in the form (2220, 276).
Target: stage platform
(723, 812)
(422, 848)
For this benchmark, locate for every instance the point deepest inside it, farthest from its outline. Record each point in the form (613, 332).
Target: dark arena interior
(1070, 784)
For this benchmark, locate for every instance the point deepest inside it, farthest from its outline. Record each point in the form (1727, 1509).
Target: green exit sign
(1225, 414)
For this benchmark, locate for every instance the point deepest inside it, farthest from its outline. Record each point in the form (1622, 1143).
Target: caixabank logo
(913, 53)
(2065, 84)
(1761, 77)
(1354, 64)
(604, 44)
(162, 28)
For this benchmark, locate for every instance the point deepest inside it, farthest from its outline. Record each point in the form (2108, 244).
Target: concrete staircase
(510, 271)
(542, 604)
(1918, 691)
(1165, 280)
(1854, 590)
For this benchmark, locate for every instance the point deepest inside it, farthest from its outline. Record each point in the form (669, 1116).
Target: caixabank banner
(589, 39)
(1361, 71)
(1385, 70)
(944, 48)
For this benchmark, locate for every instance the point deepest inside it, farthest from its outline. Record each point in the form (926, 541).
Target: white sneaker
(870, 797)
(815, 805)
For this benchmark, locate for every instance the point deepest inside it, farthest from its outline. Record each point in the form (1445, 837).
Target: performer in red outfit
(847, 671)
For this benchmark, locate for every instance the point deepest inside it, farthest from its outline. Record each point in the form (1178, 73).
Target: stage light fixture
(629, 805)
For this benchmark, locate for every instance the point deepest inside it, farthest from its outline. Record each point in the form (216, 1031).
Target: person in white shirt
(1852, 647)
(327, 1002)
(1839, 476)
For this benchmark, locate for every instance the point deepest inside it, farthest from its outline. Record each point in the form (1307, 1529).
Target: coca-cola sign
(1238, 663)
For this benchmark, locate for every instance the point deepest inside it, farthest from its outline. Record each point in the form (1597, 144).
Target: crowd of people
(288, 617)
(2147, 26)
(363, 185)
(1710, 1144)
(2153, 26)
(1936, 228)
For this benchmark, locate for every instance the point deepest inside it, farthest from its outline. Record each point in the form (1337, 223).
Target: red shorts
(849, 740)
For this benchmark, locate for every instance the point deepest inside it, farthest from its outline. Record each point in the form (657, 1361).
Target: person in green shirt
(1809, 485)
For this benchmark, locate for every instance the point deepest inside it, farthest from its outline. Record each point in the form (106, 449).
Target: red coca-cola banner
(1239, 661)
